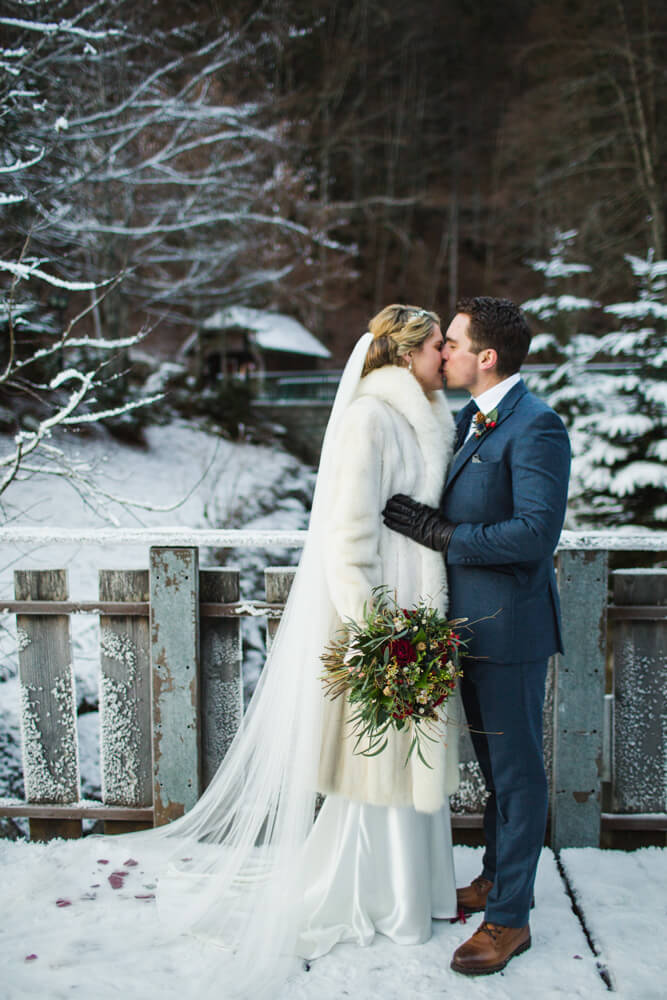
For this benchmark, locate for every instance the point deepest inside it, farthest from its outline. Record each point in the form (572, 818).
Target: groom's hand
(418, 521)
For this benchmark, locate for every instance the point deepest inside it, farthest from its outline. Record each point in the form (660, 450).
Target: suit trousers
(503, 704)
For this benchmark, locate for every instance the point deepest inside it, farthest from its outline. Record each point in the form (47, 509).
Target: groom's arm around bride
(499, 520)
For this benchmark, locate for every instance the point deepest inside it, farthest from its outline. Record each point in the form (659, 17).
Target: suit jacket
(507, 491)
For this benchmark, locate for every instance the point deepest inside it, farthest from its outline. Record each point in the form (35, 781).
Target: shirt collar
(490, 398)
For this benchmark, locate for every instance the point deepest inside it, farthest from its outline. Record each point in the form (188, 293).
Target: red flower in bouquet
(402, 650)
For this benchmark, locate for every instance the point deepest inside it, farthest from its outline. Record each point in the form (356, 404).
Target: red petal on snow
(130, 863)
(102, 861)
(148, 895)
(30, 958)
(63, 902)
(116, 880)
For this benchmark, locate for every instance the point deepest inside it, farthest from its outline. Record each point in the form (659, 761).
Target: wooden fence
(171, 695)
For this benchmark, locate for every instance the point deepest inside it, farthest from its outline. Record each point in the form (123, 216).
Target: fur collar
(429, 416)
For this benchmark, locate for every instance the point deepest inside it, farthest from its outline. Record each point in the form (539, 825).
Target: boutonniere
(485, 422)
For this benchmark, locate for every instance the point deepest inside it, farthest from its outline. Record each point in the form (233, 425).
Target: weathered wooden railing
(171, 683)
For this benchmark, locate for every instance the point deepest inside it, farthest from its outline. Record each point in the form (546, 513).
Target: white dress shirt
(490, 398)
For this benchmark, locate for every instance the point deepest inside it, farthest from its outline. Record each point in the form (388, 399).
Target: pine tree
(620, 445)
(558, 315)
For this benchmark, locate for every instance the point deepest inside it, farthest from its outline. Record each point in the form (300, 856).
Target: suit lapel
(465, 453)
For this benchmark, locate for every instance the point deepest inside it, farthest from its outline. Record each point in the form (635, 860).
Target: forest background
(322, 160)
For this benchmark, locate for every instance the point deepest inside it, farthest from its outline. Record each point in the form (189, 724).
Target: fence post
(640, 683)
(125, 698)
(221, 676)
(48, 705)
(579, 684)
(277, 585)
(174, 624)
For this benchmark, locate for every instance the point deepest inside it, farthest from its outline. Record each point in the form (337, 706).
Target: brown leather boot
(472, 898)
(490, 949)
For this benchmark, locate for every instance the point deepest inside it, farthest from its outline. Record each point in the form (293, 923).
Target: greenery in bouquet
(397, 667)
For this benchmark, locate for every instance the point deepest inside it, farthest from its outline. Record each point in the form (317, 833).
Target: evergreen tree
(558, 314)
(620, 444)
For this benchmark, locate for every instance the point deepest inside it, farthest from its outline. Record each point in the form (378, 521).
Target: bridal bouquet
(397, 667)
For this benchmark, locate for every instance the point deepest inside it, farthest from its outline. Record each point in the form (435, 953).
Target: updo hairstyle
(397, 330)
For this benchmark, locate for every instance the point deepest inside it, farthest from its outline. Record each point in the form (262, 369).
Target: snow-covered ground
(74, 926)
(54, 894)
(244, 485)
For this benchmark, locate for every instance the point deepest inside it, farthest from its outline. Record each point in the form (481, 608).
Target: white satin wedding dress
(368, 869)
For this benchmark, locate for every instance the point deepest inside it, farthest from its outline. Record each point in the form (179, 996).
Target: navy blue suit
(506, 492)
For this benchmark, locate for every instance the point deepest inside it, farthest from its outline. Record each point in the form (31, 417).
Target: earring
(410, 364)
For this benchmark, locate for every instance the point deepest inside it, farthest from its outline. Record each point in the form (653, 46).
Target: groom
(498, 524)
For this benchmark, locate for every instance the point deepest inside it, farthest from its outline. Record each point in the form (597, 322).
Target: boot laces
(493, 930)
(480, 881)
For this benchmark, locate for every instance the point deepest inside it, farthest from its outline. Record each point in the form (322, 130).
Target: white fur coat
(393, 439)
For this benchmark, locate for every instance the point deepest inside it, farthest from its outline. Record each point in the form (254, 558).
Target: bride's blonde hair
(397, 330)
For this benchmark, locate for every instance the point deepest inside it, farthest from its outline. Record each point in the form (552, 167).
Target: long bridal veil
(234, 875)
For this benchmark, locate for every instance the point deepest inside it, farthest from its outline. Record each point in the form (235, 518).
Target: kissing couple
(299, 842)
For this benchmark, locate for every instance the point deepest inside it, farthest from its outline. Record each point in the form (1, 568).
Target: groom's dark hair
(500, 324)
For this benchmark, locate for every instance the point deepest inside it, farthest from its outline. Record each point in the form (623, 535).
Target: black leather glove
(418, 521)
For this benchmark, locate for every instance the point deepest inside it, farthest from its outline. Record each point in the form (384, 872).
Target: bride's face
(428, 361)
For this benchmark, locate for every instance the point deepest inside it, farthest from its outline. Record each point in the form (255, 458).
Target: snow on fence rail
(171, 682)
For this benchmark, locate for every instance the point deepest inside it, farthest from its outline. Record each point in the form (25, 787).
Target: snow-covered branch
(35, 271)
(59, 28)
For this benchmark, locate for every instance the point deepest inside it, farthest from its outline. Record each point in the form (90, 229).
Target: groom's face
(462, 369)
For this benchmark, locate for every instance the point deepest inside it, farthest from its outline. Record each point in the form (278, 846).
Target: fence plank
(277, 585)
(221, 670)
(125, 697)
(579, 701)
(640, 682)
(174, 592)
(48, 704)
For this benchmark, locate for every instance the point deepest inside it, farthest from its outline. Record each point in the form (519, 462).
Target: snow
(110, 936)
(175, 534)
(66, 912)
(638, 310)
(59, 27)
(658, 449)
(48, 524)
(638, 474)
(49, 779)
(272, 331)
(558, 268)
(656, 392)
(34, 271)
(542, 341)
(624, 899)
(626, 424)
(22, 164)
(547, 306)
(647, 267)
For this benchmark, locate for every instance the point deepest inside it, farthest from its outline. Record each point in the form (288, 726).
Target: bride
(253, 872)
